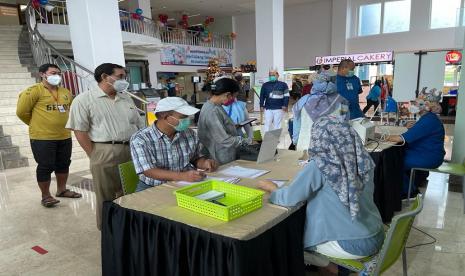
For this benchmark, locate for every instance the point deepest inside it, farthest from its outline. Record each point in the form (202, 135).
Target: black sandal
(69, 194)
(49, 201)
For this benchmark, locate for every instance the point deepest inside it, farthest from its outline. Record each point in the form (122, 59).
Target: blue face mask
(351, 73)
(183, 124)
(273, 78)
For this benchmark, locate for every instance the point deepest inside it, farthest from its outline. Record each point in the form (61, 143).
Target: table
(147, 234)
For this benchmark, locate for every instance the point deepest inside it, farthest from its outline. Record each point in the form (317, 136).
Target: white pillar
(458, 147)
(269, 25)
(340, 26)
(95, 31)
(141, 4)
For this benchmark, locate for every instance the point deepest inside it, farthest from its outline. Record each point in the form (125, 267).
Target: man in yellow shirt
(44, 107)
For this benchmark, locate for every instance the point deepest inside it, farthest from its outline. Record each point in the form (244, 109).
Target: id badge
(349, 86)
(61, 109)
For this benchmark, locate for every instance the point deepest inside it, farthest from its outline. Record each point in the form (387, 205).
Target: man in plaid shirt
(168, 150)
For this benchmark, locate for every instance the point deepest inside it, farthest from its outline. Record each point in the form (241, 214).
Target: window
(444, 13)
(396, 16)
(369, 19)
(393, 16)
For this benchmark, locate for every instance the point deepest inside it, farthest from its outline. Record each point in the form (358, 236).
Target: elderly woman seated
(342, 220)
(424, 139)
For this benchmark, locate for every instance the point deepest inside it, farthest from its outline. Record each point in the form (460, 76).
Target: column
(458, 148)
(95, 31)
(340, 26)
(269, 37)
(141, 4)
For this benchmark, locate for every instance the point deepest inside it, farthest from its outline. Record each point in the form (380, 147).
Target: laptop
(263, 152)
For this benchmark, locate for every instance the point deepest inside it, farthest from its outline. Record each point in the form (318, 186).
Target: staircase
(16, 74)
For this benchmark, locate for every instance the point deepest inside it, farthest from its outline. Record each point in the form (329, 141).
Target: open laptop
(263, 152)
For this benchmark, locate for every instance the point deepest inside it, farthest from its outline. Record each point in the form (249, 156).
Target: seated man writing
(168, 150)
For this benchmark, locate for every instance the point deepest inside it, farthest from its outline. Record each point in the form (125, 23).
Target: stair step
(13, 164)
(16, 76)
(13, 87)
(25, 81)
(10, 153)
(5, 142)
(14, 70)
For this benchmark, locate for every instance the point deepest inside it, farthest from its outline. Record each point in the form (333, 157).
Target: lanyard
(55, 98)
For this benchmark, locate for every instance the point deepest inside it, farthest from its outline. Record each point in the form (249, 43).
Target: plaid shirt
(150, 149)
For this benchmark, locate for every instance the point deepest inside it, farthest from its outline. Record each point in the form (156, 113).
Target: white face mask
(54, 80)
(120, 85)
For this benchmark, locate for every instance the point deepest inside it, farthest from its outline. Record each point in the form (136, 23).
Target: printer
(364, 128)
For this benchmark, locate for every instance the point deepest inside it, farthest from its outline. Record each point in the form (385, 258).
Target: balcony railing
(141, 25)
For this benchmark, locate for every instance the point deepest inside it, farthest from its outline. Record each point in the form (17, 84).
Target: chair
(393, 246)
(448, 168)
(129, 177)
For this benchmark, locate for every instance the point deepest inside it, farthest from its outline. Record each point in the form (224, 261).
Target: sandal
(69, 194)
(49, 201)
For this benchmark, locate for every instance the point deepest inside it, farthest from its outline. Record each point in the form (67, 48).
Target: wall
(222, 25)
(307, 34)
(420, 36)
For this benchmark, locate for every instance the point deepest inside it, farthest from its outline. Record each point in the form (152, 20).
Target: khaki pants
(104, 161)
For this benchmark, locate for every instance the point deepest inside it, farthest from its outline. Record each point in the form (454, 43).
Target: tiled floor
(69, 234)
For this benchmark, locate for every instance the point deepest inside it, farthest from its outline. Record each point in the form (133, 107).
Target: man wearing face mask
(168, 150)
(349, 87)
(424, 139)
(103, 121)
(44, 107)
(274, 100)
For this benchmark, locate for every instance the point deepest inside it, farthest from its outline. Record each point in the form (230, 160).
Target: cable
(422, 244)
(377, 144)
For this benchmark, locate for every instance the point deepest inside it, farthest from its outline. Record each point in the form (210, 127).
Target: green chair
(393, 246)
(257, 136)
(129, 177)
(448, 168)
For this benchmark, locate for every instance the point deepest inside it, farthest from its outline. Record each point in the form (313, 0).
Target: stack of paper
(238, 171)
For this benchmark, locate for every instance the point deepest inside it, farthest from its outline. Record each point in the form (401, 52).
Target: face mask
(229, 102)
(273, 78)
(54, 80)
(120, 85)
(183, 124)
(351, 73)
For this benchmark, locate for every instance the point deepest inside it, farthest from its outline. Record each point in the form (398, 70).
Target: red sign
(453, 57)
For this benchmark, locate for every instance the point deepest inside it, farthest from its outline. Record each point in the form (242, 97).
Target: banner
(194, 55)
(357, 58)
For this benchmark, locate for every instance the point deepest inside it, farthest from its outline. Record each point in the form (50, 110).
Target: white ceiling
(216, 8)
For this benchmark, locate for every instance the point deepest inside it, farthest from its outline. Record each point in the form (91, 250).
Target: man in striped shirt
(168, 150)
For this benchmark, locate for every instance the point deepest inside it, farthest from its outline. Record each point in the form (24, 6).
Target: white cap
(175, 104)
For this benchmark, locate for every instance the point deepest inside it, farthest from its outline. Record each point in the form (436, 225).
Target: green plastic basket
(238, 200)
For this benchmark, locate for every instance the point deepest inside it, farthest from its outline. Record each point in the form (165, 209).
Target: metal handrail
(142, 25)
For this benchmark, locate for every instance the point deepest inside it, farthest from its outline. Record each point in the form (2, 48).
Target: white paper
(279, 183)
(232, 180)
(241, 172)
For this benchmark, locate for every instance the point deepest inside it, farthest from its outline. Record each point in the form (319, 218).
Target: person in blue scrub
(424, 139)
(349, 87)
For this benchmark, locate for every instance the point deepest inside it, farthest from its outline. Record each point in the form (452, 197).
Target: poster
(194, 55)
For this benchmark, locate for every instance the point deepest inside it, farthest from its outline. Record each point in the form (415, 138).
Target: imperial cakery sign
(357, 58)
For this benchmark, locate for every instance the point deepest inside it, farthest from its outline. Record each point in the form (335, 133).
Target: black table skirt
(388, 179)
(137, 243)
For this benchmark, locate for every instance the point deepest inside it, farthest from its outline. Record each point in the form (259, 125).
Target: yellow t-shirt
(45, 112)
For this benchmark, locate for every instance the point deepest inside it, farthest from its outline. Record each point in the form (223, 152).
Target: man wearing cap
(168, 150)
(274, 100)
(103, 121)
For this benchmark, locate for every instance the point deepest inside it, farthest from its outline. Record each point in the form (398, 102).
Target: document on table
(232, 180)
(238, 171)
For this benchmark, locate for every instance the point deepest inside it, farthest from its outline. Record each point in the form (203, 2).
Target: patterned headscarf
(342, 159)
(429, 100)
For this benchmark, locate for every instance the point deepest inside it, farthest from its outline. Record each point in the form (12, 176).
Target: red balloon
(185, 17)
(212, 19)
(135, 16)
(36, 4)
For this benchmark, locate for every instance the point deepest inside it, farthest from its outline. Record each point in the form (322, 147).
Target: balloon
(136, 16)
(185, 17)
(36, 4)
(139, 11)
(43, 2)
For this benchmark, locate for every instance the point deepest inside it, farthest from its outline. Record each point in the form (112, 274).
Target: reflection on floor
(69, 234)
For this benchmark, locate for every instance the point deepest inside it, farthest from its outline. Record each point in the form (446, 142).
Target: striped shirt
(150, 149)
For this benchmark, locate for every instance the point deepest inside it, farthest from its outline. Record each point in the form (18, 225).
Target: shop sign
(194, 55)
(357, 58)
(454, 56)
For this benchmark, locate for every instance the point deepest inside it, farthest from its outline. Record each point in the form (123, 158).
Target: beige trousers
(104, 161)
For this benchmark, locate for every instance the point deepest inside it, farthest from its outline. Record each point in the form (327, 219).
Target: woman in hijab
(342, 220)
